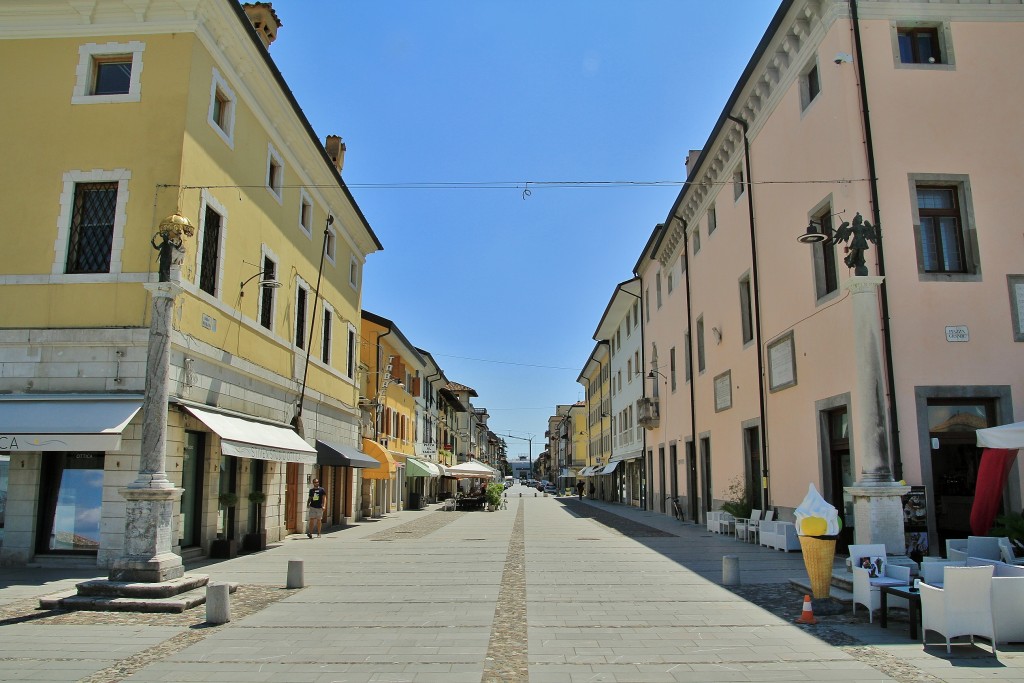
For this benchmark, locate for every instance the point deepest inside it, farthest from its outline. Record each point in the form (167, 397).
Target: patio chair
(754, 526)
(955, 544)
(449, 504)
(932, 572)
(1006, 553)
(867, 588)
(985, 547)
(962, 607)
(743, 524)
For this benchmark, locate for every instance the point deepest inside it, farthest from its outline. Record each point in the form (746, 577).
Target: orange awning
(381, 455)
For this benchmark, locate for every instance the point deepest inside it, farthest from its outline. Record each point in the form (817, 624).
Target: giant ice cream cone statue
(817, 524)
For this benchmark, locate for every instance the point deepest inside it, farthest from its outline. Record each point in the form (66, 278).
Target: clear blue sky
(506, 292)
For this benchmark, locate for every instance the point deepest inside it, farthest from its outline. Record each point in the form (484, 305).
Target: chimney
(264, 20)
(691, 159)
(336, 151)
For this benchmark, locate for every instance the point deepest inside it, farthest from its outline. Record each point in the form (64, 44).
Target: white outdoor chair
(962, 607)
(955, 544)
(449, 504)
(743, 524)
(754, 526)
(712, 519)
(726, 523)
(985, 547)
(932, 573)
(867, 590)
(1006, 553)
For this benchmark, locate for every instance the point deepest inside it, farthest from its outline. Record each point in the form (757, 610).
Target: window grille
(92, 228)
(211, 250)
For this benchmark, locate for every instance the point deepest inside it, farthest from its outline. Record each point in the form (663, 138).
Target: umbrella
(471, 469)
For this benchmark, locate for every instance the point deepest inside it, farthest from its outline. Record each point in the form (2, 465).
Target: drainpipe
(869, 148)
(692, 459)
(765, 492)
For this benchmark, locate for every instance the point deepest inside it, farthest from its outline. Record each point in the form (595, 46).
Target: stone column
(877, 504)
(152, 497)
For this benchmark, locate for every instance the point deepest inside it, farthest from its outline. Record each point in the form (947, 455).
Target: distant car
(550, 488)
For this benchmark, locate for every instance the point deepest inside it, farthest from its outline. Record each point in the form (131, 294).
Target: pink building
(902, 112)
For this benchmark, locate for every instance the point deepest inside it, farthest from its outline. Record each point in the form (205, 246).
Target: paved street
(550, 590)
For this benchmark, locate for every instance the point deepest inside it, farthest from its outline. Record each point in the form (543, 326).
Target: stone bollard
(295, 579)
(730, 570)
(218, 603)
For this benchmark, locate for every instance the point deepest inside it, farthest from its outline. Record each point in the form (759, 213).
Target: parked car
(550, 488)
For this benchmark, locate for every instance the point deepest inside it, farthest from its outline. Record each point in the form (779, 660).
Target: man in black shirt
(315, 503)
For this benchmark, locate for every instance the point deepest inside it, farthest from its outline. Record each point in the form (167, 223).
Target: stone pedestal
(147, 542)
(878, 515)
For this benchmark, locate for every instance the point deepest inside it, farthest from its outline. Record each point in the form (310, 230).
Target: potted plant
(493, 495)
(258, 539)
(224, 546)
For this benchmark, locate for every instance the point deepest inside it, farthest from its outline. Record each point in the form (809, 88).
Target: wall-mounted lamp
(816, 232)
(269, 283)
(652, 373)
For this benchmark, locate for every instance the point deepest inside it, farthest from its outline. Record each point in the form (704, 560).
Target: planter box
(223, 549)
(254, 542)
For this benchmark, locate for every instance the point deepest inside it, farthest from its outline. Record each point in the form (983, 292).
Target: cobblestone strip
(419, 527)
(506, 660)
(244, 601)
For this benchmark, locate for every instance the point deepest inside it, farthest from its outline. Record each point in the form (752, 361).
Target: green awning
(420, 468)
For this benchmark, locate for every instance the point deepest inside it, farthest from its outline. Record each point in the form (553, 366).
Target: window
(210, 240)
(942, 243)
(695, 237)
(672, 368)
(919, 45)
(826, 277)
(266, 312)
(671, 284)
(221, 116)
(636, 361)
(738, 183)
(90, 227)
(108, 73)
(91, 234)
(1015, 283)
(657, 286)
(305, 213)
(301, 299)
(700, 344)
(647, 304)
(331, 248)
(275, 172)
(350, 361)
(353, 273)
(629, 328)
(712, 223)
(325, 346)
(810, 86)
(746, 311)
(687, 360)
(636, 313)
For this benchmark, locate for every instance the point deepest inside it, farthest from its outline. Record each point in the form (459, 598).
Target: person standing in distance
(579, 489)
(315, 503)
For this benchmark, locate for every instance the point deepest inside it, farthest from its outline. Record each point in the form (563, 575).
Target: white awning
(627, 456)
(414, 467)
(258, 440)
(79, 422)
(609, 468)
(1005, 436)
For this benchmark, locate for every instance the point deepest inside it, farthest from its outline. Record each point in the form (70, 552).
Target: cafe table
(911, 595)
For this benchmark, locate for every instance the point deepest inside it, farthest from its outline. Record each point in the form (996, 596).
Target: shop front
(339, 464)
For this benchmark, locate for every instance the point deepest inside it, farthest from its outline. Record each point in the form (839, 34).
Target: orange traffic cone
(807, 615)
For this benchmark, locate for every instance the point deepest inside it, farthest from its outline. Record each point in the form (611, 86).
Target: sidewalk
(552, 590)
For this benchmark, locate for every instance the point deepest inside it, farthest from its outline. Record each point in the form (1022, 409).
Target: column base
(878, 515)
(157, 569)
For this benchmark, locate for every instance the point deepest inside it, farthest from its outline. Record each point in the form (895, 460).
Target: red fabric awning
(992, 474)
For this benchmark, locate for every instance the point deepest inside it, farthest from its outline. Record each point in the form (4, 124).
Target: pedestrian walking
(315, 503)
(592, 489)
(579, 489)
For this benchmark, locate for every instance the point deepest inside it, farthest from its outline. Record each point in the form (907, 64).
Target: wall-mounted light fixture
(268, 283)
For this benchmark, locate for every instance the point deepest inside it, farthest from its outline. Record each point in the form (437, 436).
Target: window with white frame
(695, 239)
(351, 352)
(326, 336)
(636, 314)
(331, 248)
(108, 73)
(746, 311)
(305, 213)
(657, 286)
(712, 221)
(700, 345)
(221, 115)
(944, 231)
(267, 294)
(823, 254)
(211, 240)
(91, 223)
(301, 303)
(275, 173)
(353, 272)
(670, 282)
(810, 85)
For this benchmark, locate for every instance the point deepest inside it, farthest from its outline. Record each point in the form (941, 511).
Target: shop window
(70, 501)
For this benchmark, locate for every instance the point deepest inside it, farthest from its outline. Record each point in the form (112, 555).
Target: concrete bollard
(295, 578)
(730, 570)
(218, 603)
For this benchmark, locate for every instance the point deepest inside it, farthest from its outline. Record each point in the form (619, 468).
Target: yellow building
(138, 115)
(596, 380)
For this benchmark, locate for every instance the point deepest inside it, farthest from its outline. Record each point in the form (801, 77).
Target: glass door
(192, 483)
